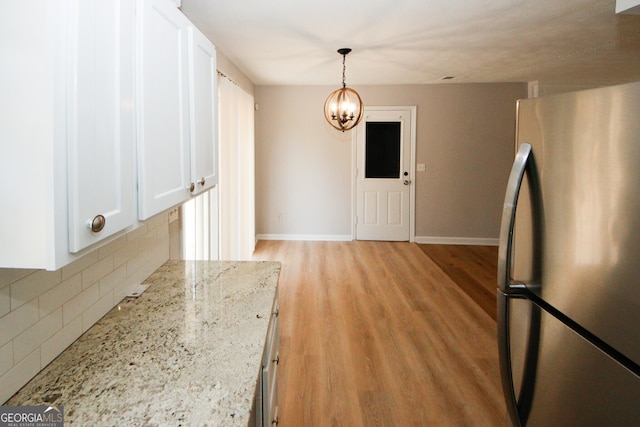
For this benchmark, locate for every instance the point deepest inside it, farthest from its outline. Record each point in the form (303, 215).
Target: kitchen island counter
(186, 352)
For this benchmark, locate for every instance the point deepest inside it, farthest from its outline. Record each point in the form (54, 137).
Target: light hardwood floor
(376, 334)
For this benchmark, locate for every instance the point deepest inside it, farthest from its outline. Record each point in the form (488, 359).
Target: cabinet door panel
(204, 97)
(100, 115)
(163, 128)
(270, 361)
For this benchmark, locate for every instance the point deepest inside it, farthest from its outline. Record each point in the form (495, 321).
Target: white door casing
(385, 206)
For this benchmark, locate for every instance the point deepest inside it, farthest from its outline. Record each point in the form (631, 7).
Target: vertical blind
(237, 177)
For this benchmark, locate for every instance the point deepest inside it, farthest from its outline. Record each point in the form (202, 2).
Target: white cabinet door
(66, 132)
(163, 115)
(203, 96)
(100, 114)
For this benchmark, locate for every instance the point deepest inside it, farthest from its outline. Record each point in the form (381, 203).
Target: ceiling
(294, 42)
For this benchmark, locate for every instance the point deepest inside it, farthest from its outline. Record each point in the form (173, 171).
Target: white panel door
(100, 120)
(383, 175)
(203, 95)
(163, 108)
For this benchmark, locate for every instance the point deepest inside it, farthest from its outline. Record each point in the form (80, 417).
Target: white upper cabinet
(203, 96)
(66, 129)
(85, 83)
(100, 121)
(177, 109)
(163, 107)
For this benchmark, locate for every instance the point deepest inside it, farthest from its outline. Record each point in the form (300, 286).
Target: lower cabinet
(267, 394)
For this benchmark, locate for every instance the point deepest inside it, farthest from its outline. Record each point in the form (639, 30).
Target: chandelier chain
(344, 68)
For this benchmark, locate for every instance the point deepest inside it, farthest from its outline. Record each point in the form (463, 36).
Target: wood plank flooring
(472, 268)
(376, 334)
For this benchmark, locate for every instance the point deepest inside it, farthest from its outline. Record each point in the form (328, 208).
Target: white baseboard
(307, 237)
(480, 241)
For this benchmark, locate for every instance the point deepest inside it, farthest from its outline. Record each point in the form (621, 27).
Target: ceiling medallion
(343, 108)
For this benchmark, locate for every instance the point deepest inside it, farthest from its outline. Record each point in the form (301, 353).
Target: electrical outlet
(173, 214)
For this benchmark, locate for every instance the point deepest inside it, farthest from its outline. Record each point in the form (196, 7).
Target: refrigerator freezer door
(568, 381)
(586, 151)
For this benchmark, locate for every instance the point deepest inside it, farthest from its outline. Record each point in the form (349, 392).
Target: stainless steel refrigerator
(569, 261)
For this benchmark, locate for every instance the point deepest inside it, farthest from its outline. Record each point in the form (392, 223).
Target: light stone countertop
(186, 352)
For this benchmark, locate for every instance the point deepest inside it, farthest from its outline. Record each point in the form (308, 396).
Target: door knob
(201, 182)
(406, 182)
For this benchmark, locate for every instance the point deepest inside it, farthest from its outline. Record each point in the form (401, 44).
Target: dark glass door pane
(382, 150)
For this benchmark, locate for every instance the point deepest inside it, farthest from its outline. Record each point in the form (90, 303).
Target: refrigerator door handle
(506, 289)
(508, 218)
(504, 350)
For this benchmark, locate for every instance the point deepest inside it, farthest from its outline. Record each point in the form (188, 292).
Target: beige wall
(303, 166)
(464, 137)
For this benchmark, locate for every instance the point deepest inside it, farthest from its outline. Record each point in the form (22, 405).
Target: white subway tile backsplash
(43, 312)
(18, 321)
(96, 311)
(158, 220)
(81, 302)
(58, 295)
(157, 257)
(130, 283)
(121, 256)
(6, 358)
(10, 275)
(136, 262)
(57, 343)
(162, 232)
(5, 300)
(79, 265)
(19, 375)
(147, 241)
(110, 248)
(31, 339)
(32, 286)
(112, 280)
(137, 232)
(97, 271)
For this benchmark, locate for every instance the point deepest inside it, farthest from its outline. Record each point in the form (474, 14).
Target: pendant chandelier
(343, 108)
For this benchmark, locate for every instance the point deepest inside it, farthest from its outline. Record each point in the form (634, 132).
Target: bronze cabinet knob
(98, 223)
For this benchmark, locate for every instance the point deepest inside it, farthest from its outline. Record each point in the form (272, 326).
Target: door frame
(412, 110)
